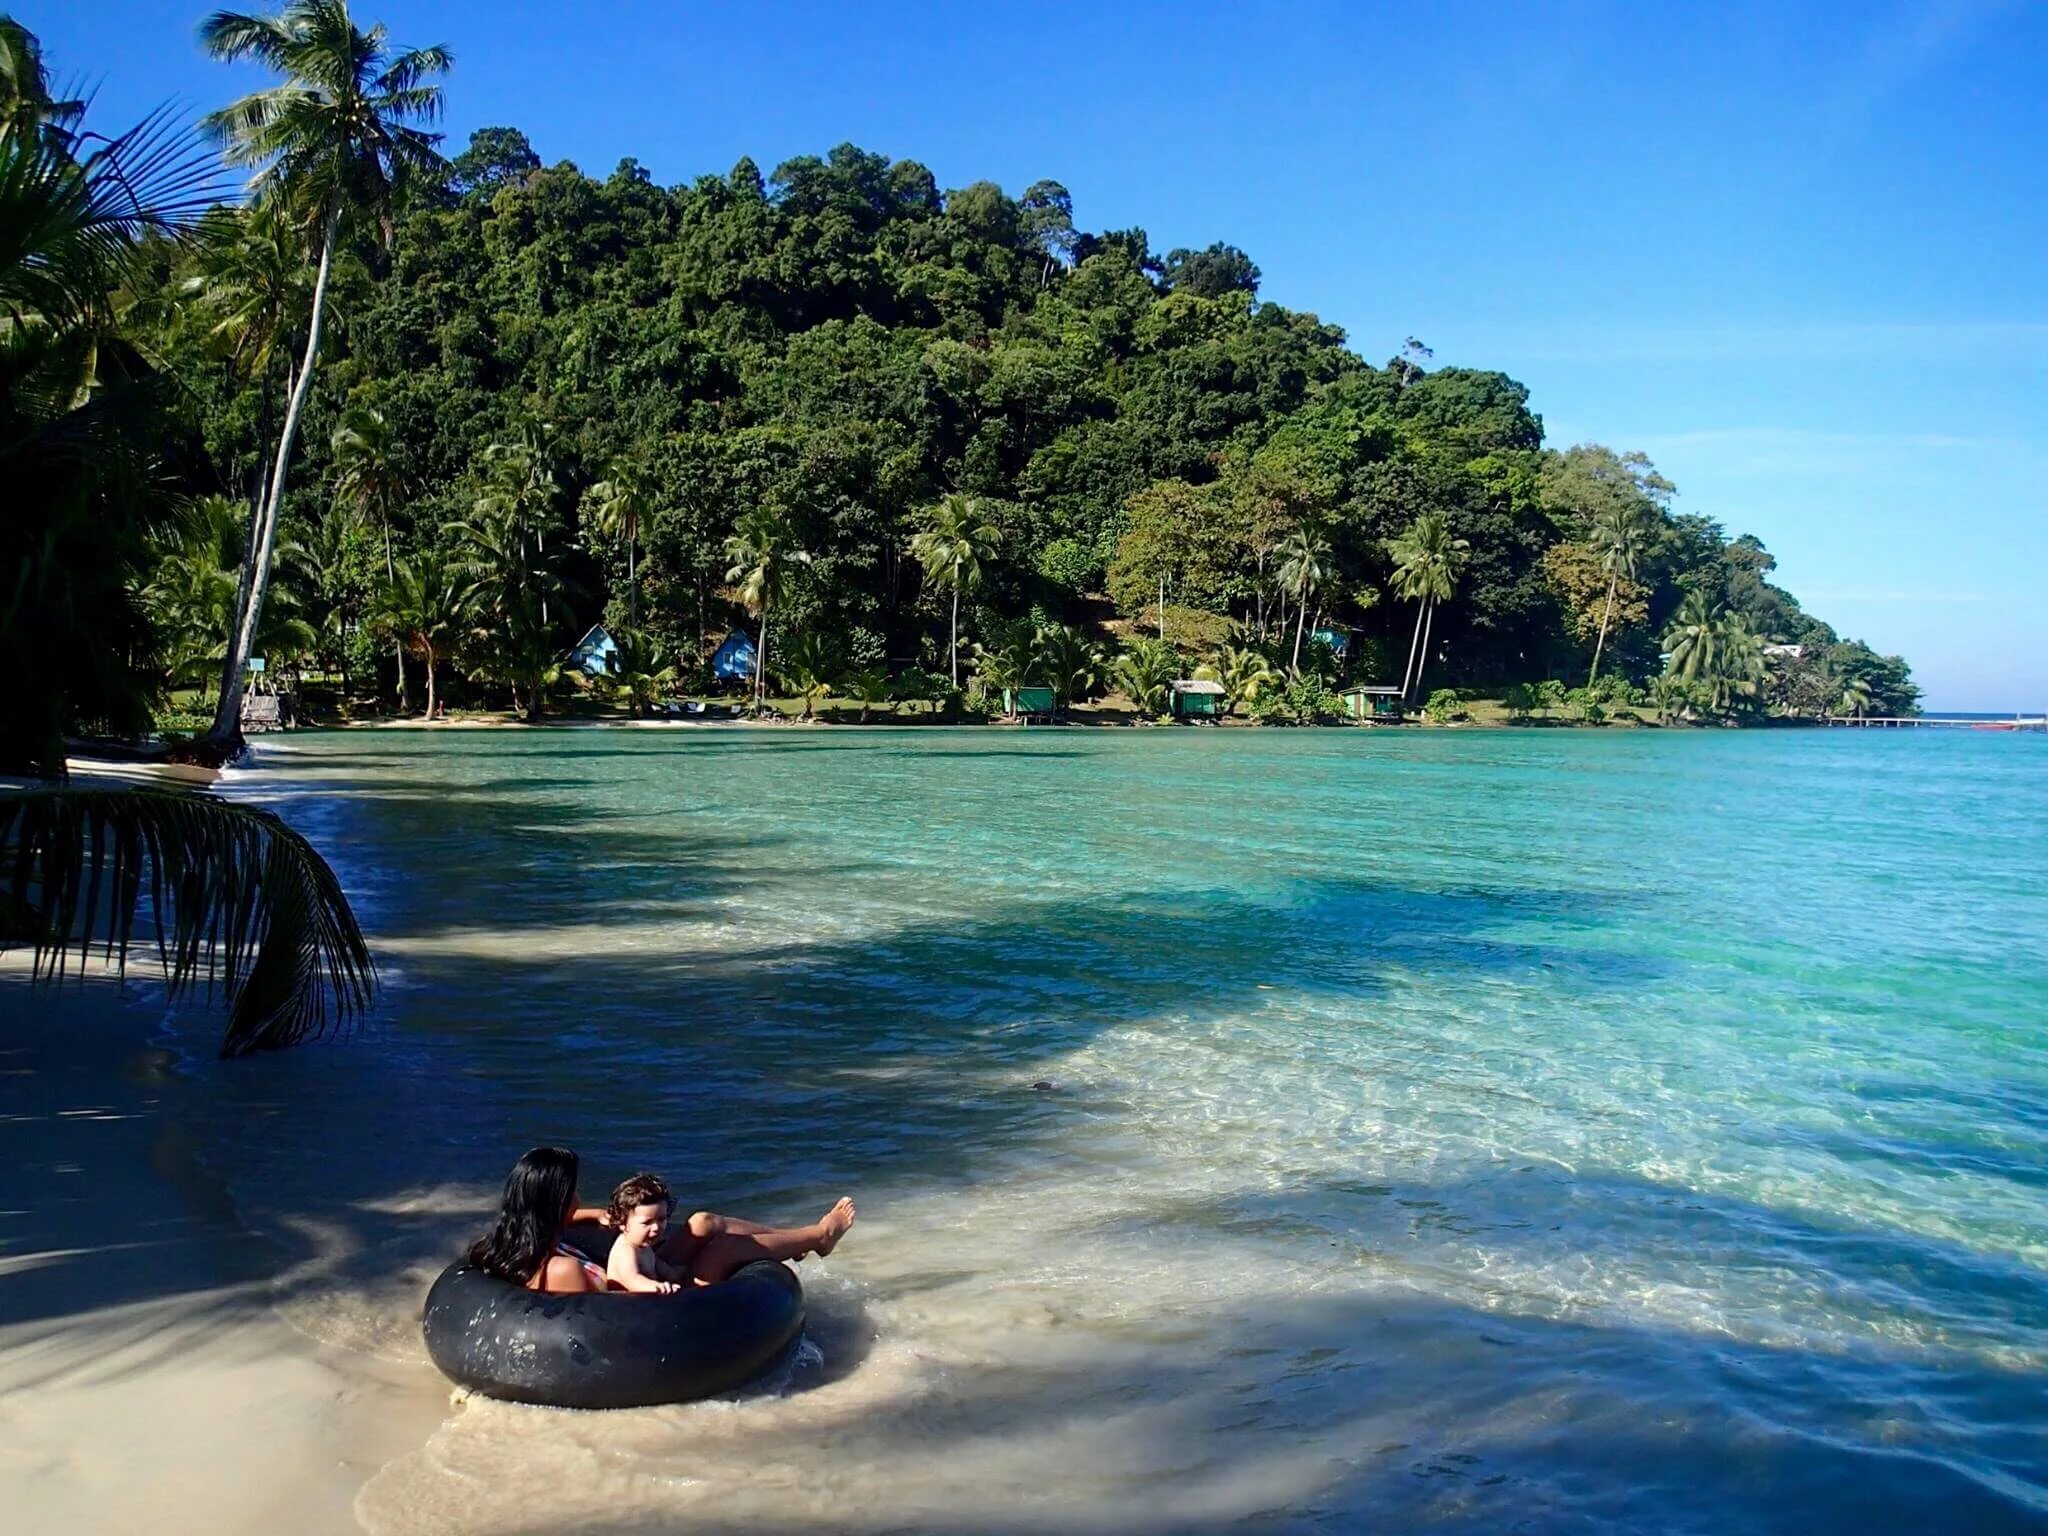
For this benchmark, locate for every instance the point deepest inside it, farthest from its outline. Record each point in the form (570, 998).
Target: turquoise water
(1536, 1130)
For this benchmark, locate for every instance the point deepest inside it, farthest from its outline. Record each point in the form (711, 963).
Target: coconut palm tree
(1245, 673)
(1145, 672)
(1428, 560)
(1853, 698)
(1011, 661)
(871, 685)
(27, 107)
(334, 142)
(811, 665)
(235, 899)
(1621, 537)
(1693, 642)
(83, 490)
(640, 668)
(951, 550)
(1304, 558)
(424, 610)
(1070, 664)
(763, 557)
(368, 475)
(614, 507)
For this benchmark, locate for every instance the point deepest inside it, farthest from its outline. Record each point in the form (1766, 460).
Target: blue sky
(1793, 252)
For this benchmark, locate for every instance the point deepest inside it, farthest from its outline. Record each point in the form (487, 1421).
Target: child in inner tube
(649, 1259)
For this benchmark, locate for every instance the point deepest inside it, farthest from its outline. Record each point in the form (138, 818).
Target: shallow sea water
(1519, 1130)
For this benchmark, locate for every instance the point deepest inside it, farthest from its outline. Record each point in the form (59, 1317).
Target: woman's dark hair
(538, 1195)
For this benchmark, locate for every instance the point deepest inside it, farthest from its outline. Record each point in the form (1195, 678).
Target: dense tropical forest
(414, 423)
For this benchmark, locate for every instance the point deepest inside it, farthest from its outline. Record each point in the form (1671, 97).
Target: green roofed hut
(1196, 698)
(1378, 701)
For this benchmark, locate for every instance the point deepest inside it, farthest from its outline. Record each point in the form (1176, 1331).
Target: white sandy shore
(147, 1383)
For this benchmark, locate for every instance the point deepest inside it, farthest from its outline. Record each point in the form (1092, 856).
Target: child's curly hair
(641, 1189)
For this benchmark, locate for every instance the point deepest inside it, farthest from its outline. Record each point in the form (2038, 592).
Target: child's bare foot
(832, 1226)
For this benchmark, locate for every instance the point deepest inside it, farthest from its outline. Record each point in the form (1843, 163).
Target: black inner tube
(609, 1349)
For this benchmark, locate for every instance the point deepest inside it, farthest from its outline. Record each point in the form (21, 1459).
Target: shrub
(1070, 565)
(1520, 700)
(1310, 700)
(1445, 704)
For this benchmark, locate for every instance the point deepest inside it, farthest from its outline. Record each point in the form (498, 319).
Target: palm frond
(238, 901)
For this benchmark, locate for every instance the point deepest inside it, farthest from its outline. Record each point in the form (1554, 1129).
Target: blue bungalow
(592, 655)
(733, 662)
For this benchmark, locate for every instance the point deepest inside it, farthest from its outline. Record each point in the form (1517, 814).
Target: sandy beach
(148, 1381)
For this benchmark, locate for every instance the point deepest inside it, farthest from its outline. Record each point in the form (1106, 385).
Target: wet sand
(148, 1381)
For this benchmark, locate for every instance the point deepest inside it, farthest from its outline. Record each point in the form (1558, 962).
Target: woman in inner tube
(541, 1200)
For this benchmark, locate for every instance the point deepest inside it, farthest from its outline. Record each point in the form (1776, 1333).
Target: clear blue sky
(1793, 252)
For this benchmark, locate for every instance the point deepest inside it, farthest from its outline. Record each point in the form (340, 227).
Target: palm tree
(871, 686)
(368, 475)
(423, 610)
(1070, 664)
(27, 109)
(333, 142)
(1012, 661)
(951, 550)
(1245, 673)
(82, 477)
(1427, 563)
(640, 668)
(1145, 672)
(1693, 642)
(1303, 554)
(762, 559)
(811, 665)
(1621, 537)
(615, 506)
(1854, 697)
(235, 898)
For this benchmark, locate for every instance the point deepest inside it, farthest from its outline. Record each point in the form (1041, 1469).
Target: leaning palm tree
(226, 894)
(615, 507)
(1304, 556)
(762, 555)
(1853, 698)
(368, 475)
(951, 550)
(423, 611)
(1621, 537)
(333, 143)
(1428, 560)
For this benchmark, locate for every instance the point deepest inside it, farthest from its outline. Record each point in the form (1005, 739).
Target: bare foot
(832, 1226)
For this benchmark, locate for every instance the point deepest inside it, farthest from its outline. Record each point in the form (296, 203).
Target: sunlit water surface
(1547, 1131)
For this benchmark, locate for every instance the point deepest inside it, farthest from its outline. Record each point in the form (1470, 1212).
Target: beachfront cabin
(592, 655)
(1197, 698)
(1377, 701)
(733, 661)
(1029, 702)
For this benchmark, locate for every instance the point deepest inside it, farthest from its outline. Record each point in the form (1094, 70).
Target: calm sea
(1293, 1131)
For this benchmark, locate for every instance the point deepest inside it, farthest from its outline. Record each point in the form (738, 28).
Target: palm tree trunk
(954, 652)
(1422, 661)
(1606, 610)
(227, 719)
(397, 645)
(761, 660)
(430, 682)
(632, 587)
(1300, 614)
(1414, 644)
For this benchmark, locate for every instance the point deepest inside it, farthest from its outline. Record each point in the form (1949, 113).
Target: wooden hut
(1196, 698)
(1031, 703)
(1376, 701)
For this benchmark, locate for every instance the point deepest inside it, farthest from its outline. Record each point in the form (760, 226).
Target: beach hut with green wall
(1377, 701)
(1029, 701)
(1196, 698)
